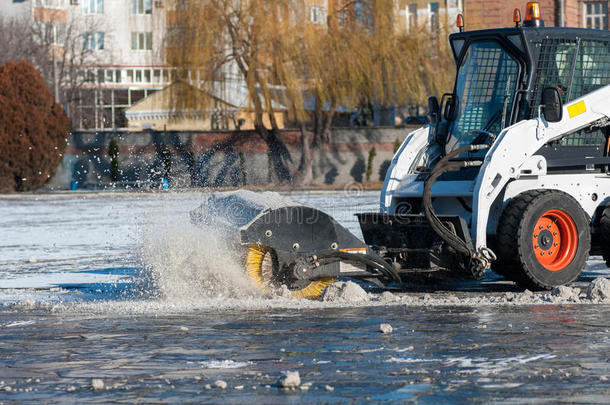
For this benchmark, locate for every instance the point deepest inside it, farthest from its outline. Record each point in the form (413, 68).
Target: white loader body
(511, 167)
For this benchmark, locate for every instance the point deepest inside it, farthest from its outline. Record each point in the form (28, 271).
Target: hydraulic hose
(377, 263)
(443, 166)
(459, 151)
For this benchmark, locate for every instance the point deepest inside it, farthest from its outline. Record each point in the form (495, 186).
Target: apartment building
(432, 15)
(118, 45)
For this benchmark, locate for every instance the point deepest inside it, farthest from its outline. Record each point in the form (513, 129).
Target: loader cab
(501, 74)
(490, 73)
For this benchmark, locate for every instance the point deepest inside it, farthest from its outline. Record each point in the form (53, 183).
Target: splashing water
(185, 262)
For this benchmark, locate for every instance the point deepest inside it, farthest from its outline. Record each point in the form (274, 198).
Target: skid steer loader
(512, 174)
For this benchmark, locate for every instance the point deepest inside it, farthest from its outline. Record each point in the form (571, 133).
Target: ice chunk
(97, 384)
(566, 293)
(290, 380)
(347, 291)
(385, 328)
(599, 289)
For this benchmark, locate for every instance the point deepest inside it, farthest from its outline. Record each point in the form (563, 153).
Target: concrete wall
(204, 159)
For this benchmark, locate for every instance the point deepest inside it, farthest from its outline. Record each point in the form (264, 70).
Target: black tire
(509, 269)
(604, 228)
(501, 266)
(505, 268)
(508, 264)
(522, 246)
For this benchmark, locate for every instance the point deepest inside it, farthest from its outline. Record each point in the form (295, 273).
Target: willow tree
(310, 70)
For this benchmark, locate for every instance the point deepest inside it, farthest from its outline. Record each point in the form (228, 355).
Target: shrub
(397, 144)
(113, 152)
(33, 129)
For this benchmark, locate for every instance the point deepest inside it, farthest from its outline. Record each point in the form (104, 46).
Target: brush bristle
(259, 266)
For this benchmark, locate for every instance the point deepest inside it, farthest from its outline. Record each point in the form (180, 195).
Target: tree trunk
(325, 135)
(304, 175)
(278, 152)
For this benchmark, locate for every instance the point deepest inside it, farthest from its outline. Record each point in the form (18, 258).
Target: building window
(93, 41)
(433, 16)
(144, 76)
(93, 6)
(51, 3)
(112, 76)
(141, 7)
(362, 14)
(317, 15)
(90, 75)
(342, 18)
(49, 33)
(141, 41)
(412, 16)
(596, 15)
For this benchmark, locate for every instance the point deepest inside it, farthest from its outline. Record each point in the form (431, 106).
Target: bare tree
(60, 52)
(17, 41)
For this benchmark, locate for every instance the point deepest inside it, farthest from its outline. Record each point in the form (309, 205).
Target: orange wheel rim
(555, 240)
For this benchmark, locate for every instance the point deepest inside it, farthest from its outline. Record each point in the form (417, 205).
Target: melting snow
(224, 364)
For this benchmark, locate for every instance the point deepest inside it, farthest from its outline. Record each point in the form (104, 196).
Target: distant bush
(113, 152)
(397, 144)
(33, 129)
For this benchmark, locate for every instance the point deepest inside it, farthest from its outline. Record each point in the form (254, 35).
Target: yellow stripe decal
(577, 109)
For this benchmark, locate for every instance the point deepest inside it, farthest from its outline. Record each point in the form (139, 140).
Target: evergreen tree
(33, 129)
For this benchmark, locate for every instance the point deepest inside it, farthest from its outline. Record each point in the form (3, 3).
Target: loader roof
(524, 39)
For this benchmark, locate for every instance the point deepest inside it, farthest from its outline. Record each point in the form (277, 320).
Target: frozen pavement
(113, 297)
(454, 354)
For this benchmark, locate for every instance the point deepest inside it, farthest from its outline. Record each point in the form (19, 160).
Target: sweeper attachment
(512, 174)
(291, 244)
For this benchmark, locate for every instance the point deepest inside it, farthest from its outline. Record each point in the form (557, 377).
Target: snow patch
(599, 289)
(19, 323)
(345, 291)
(408, 360)
(224, 364)
(486, 366)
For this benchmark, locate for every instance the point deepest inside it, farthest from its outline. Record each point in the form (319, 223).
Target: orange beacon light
(532, 15)
(460, 22)
(517, 17)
